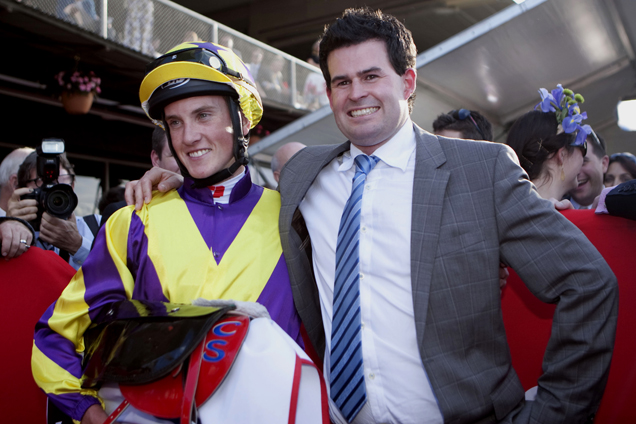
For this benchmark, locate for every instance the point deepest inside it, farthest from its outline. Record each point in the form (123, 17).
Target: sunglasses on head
(462, 114)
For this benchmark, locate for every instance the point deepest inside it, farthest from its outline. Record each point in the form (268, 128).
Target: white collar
(395, 153)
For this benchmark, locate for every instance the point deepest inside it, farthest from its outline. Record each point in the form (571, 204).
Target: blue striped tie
(347, 377)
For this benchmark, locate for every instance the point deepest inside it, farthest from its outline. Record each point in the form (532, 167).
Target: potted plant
(77, 90)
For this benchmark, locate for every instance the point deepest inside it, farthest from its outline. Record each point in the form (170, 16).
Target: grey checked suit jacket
(472, 208)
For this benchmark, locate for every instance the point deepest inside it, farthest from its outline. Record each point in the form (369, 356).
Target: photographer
(71, 238)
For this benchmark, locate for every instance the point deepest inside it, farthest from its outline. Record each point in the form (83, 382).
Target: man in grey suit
(432, 221)
(437, 217)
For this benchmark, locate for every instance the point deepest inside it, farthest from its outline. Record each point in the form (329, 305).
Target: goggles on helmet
(202, 56)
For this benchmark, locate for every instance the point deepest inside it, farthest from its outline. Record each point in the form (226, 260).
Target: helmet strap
(239, 150)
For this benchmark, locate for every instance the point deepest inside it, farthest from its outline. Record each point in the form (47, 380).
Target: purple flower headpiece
(565, 104)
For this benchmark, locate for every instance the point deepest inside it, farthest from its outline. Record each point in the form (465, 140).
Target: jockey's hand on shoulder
(139, 192)
(94, 415)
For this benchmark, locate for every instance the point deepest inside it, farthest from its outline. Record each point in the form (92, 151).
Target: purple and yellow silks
(180, 247)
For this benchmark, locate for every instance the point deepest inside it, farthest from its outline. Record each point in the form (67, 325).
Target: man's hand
(61, 233)
(140, 192)
(94, 415)
(11, 232)
(26, 209)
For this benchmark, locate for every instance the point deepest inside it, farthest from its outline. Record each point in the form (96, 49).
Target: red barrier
(528, 321)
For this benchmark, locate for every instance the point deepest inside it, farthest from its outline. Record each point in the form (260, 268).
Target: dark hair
(30, 163)
(159, 140)
(598, 146)
(359, 25)
(534, 139)
(113, 195)
(626, 160)
(452, 122)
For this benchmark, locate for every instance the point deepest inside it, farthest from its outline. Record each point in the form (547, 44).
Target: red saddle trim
(293, 405)
(215, 355)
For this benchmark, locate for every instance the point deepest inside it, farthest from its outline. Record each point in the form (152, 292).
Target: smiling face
(590, 178)
(367, 96)
(201, 132)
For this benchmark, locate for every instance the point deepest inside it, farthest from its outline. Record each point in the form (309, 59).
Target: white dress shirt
(398, 390)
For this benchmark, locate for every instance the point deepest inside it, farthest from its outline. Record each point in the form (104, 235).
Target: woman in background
(622, 168)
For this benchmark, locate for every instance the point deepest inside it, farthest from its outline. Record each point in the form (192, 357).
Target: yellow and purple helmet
(201, 61)
(199, 69)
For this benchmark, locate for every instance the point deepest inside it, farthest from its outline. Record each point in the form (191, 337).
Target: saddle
(168, 359)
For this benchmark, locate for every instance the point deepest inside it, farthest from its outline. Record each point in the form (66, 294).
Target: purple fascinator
(565, 103)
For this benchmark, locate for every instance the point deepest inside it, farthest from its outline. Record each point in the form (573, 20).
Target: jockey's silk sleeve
(179, 247)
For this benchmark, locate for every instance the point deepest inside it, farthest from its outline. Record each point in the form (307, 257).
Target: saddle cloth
(272, 381)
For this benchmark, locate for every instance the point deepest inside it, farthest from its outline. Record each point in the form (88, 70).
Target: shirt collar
(394, 153)
(234, 189)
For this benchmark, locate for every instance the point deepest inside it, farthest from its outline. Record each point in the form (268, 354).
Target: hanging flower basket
(76, 103)
(77, 90)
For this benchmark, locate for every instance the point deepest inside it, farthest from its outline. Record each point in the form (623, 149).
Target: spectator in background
(228, 42)
(282, 155)
(113, 195)
(622, 168)
(590, 178)
(139, 26)
(463, 123)
(256, 59)
(271, 80)
(315, 89)
(161, 155)
(71, 238)
(552, 160)
(83, 13)
(191, 36)
(9, 175)
(80, 12)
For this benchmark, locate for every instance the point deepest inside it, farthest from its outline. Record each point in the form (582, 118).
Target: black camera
(57, 200)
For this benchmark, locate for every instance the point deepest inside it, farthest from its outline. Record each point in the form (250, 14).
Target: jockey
(215, 238)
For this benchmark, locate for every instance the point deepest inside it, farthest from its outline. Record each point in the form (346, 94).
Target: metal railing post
(292, 77)
(104, 19)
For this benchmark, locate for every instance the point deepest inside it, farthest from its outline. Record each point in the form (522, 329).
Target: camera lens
(60, 201)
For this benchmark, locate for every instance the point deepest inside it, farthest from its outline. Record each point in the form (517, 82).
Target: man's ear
(605, 163)
(154, 157)
(410, 81)
(13, 181)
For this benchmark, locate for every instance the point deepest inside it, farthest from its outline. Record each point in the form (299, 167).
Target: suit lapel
(296, 179)
(313, 164)
(429, 187)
